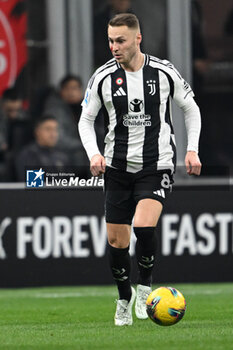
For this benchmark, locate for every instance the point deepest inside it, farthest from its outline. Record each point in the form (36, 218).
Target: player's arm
(183, 96)
(88, 138)
(91, 106)
(192, 119)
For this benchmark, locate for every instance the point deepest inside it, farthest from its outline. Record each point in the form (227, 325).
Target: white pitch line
(73, 295)
(53, 295)
(205, 292)
(96, 293)
(109, 293)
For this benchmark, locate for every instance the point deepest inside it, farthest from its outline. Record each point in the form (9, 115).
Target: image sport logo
(35, 178)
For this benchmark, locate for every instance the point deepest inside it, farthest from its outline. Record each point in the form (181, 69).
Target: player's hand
(193, 164)
(97, 165)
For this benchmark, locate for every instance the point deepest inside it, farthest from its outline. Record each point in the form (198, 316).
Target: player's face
(124, 43)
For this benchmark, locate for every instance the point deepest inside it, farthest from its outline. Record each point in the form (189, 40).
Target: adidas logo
(120, 92)
(160, 193)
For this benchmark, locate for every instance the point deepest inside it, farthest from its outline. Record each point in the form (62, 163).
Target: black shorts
(123, 190)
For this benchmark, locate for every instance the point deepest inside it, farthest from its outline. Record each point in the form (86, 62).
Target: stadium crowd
(51, 139)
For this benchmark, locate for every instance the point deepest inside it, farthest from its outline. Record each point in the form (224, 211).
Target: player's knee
(143, 222)
(146, 220)
(117, 243)
(112, 241)
(118, 235)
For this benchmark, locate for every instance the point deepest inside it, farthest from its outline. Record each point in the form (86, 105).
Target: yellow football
(165, 306)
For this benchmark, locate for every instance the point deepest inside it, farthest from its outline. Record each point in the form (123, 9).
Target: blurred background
(48, 51)
(43, 43)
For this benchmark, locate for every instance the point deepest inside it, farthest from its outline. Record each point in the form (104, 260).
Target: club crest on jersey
(152, 86)
(136, 105)
(119, 81)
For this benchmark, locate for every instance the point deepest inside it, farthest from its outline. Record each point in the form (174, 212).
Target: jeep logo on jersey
(136, 105)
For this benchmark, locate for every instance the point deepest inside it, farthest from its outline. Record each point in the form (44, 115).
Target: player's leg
(146, 218)
(119, 210)
(150, 192)
(145, 221)
(119, 259)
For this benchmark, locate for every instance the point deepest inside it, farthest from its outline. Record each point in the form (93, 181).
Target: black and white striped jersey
(137, 105)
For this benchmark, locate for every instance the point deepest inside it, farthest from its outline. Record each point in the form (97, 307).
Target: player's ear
(139, 38)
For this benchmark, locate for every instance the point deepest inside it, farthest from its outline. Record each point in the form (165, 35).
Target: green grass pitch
(81, 318)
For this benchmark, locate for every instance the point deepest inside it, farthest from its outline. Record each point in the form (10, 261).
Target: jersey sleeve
(91, 103)
(183, 95)
(182, 91)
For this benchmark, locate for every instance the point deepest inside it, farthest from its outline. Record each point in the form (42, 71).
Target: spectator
(42, 152)
(102, 52)
(65, 106)
(14, 130)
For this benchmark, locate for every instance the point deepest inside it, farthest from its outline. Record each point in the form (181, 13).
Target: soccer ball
(165, 306)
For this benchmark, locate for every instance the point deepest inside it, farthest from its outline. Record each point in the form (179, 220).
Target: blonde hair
(125, 19)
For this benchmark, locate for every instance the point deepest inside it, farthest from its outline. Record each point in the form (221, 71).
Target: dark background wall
(58, 237)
